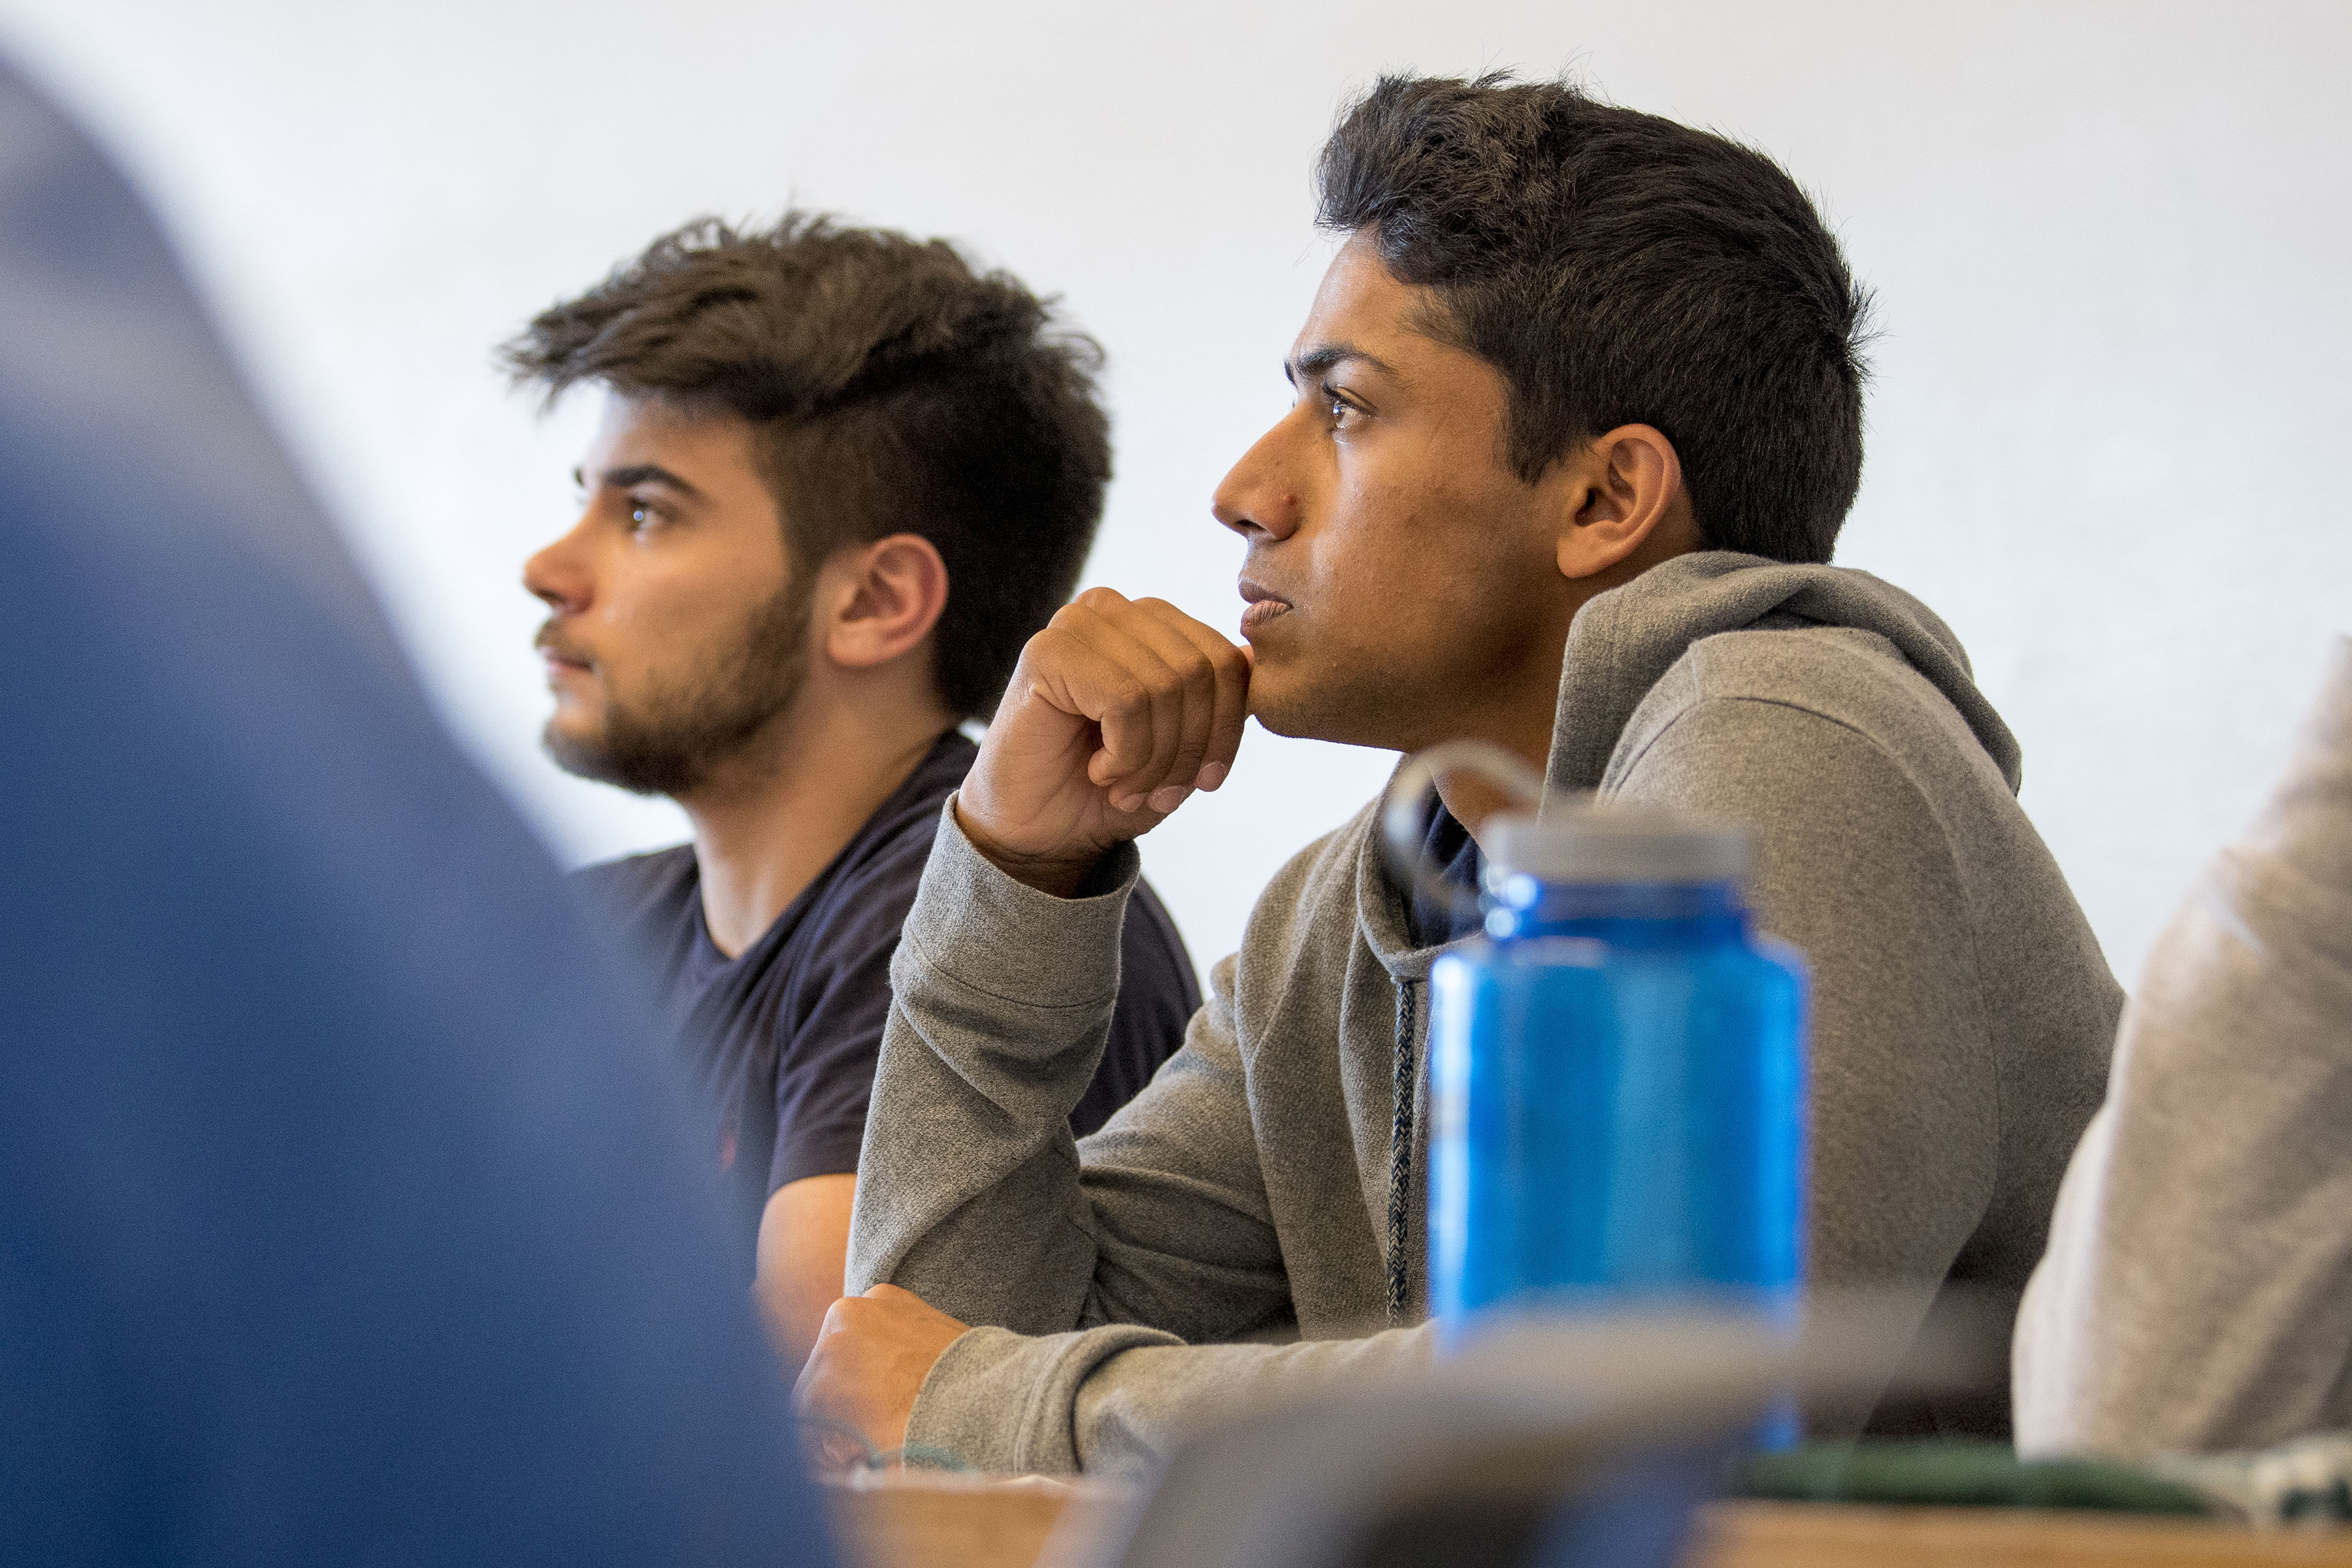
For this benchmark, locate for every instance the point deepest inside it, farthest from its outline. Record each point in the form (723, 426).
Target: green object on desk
(1949, 1472)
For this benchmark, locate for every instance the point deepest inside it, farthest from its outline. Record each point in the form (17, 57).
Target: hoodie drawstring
(1401, 1154)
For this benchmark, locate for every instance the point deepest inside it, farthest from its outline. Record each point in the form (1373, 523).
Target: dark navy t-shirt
(1448, 850)
(784, 1036)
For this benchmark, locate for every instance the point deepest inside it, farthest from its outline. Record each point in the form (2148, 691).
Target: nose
(558, 574)
(1258, 495)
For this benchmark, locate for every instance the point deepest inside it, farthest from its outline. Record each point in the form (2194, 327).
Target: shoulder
(1152, 952)
(1854, 677)
(895, 842)
(1784, 684)
(1148, 916)
(861, 911)
(637, 885)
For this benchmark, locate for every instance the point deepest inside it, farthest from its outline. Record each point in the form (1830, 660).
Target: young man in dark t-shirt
(840, 480)
(784, 1033)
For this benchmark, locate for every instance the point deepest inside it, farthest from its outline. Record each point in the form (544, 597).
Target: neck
(1511, 705)
(772, 817)
(1520, 713)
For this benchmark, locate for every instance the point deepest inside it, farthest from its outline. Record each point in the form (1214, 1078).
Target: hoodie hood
(1622, 643)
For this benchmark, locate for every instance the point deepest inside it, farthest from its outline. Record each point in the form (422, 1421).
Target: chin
(569, 727)
(574, 747)
(1345, 715)
(1281, 708)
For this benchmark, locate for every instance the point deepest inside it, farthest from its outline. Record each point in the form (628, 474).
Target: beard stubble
(669, 742)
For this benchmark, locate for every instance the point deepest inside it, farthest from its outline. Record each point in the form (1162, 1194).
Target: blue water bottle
(1617, 1072)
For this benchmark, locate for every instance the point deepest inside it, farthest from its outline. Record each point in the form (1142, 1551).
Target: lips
(561, 661)
(548, 641)
(1265, 607)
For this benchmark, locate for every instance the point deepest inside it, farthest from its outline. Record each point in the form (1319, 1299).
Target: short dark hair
(1620, 268)
(896, 391)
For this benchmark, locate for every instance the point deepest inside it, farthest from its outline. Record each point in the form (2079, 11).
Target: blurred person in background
(2197, 1294)
(1578, 418)
(347, 1213)
(840, 480)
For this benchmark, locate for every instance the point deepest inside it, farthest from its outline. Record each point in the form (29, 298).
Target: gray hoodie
(1131, 1284)
(2198, 1293)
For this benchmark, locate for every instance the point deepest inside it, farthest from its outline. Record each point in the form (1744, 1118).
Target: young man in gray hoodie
(1579, 417)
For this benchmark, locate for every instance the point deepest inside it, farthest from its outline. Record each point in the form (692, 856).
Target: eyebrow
(1323, 356)
(635, 474)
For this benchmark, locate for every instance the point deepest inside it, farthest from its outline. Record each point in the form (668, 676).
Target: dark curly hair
(1620, 268)
(896, 390)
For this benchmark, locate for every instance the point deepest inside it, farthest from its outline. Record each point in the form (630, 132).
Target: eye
(1339, 409)
(644, 514)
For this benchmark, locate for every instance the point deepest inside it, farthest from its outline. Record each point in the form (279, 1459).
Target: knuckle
(1042, 650)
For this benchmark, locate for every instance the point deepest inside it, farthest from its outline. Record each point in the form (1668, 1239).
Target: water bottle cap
(1595, 842)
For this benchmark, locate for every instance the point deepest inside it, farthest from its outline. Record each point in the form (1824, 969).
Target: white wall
(2109, 241)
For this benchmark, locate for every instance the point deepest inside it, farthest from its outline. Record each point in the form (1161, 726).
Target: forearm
(1118, 1399)
(804, 1240)
(1002, 999)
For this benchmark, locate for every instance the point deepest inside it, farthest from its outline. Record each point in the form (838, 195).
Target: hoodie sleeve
(1085, 1278)
(1117, 1401)
(2197, 1293)
(972, 1192)
(1855, 872)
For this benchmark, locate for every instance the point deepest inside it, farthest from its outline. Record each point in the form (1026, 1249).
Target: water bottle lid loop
(1566, 840)
(1404, 811)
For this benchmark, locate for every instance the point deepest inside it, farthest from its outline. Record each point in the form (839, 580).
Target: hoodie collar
(1623, 642)
(1381, 917)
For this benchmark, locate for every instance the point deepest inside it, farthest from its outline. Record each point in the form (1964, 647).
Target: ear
(884, 599)
(1624, 492)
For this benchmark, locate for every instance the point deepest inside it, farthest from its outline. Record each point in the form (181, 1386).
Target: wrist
(1060, 874)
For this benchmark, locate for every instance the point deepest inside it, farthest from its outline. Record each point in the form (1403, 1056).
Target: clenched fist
(1120, 709)
(870, 1361)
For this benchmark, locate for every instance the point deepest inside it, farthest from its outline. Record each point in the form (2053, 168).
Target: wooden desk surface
(917, 1521)
(914, 1520)
(1843, 1535)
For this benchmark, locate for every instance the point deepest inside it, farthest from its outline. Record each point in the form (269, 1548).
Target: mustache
(546, 640)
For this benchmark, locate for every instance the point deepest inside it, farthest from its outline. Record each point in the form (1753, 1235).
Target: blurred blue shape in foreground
(342, 1216)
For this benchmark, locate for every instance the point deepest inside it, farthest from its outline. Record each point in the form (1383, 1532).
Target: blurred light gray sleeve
(2196, 1292)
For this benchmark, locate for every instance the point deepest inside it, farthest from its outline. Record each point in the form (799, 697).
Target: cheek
(650, 635)
(1403, 548)
(1373, 525)
(656, 612)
